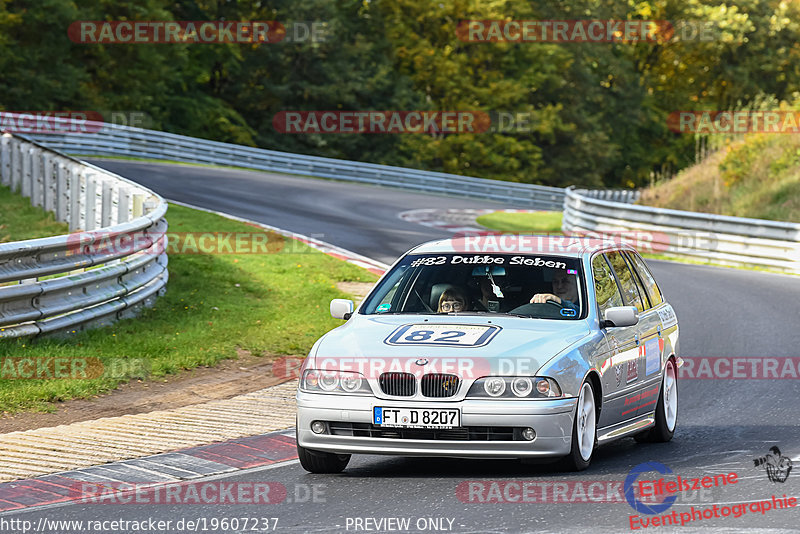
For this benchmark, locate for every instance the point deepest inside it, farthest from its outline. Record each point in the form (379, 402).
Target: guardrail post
(48, 183)
(106, 198)
(61, 192)
(74, 197)
(26, 170)
(124, 206)
(16, 165)
(91, 203)
(149, 204)
(5, 159)
(138, 205)
(37, 189)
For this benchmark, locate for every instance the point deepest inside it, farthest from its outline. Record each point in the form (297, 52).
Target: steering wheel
(477, 305)
(551, 302)
(545, 309)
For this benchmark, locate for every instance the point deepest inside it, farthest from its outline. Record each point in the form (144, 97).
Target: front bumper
(551, 419)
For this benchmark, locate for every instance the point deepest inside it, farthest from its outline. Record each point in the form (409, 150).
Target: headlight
(494, 386)
(351, 382)
(515, 387)
(328, 380)
(521, 386)
(319, 381)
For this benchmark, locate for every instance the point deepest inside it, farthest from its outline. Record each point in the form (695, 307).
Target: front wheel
(322, 462)
(584, 431)
(666, 408)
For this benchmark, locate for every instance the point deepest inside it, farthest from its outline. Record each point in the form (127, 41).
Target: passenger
(453, 299)
(565, 291)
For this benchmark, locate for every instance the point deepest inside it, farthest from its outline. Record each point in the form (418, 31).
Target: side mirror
(341, 308)
(620, 316)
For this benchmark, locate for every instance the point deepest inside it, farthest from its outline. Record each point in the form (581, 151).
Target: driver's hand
(541, 298)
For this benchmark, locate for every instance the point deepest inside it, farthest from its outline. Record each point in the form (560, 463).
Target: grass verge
(758, 177)
(266, 304)
(539, 222)
(164, 162)
(19, 220)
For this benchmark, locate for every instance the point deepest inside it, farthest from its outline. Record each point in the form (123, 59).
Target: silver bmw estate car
(495, 346)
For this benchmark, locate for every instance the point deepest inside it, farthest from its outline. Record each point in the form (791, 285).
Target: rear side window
(647, 279)
(627, 282)
(605, 287)
(638, 280)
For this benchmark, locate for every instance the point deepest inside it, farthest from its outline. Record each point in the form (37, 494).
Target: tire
(322, 462)
(584, 431)
(666, 409)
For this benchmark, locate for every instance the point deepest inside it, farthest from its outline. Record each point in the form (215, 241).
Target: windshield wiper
(404, 313)
(461, 313)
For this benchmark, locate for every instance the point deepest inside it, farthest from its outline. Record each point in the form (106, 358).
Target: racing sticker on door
(667, 316)
(449, 335)
(633, 371)
(652, 356)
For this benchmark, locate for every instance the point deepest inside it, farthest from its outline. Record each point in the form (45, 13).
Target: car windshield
(545, 287)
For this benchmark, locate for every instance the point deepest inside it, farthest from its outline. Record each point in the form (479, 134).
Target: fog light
(318, 427)
(528, 434)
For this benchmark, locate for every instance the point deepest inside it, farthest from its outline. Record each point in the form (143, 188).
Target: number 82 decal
(454, 335)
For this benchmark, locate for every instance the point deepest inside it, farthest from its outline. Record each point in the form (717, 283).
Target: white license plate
(417, 417)
(449, 335)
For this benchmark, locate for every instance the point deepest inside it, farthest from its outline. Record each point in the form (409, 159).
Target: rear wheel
(322, 462)
(666, 408)
(584, 431)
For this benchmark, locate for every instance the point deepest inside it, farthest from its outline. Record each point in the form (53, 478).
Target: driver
(453, 299)
(565, 291)
(487, 293)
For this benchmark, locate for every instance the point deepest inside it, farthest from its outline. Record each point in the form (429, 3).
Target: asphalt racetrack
(723, 424)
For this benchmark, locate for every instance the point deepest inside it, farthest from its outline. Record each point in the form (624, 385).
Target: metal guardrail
(628, 196)
(721, 239)
(105, 139)
(113, 263)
